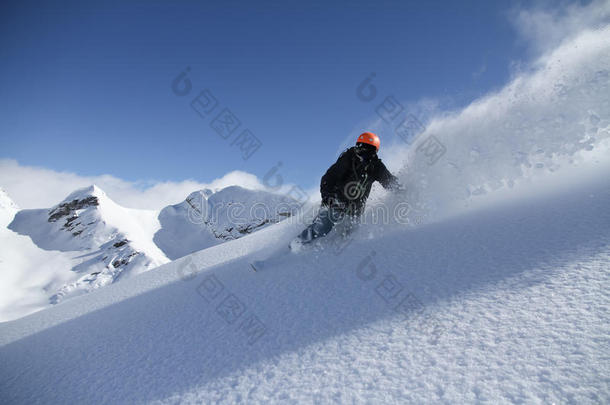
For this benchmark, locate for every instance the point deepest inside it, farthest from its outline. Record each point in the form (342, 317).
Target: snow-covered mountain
(207, 218)
(96, 242)
(111, 241)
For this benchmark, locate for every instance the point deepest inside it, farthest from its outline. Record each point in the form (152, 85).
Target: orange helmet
(370, 138)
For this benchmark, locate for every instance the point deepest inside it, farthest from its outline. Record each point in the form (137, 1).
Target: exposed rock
(121, 243)
(68, 208)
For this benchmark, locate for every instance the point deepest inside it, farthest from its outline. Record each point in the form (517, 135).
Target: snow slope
(507, 304)
(8, 208)
(26, 271)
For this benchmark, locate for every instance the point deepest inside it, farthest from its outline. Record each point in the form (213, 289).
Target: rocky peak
(67, 209)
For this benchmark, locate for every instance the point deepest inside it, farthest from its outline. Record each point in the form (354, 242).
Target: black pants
(325, 221)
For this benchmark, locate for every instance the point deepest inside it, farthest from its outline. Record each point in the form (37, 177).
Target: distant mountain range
(94, 241)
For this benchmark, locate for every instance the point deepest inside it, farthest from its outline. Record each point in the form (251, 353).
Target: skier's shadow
(180, 336)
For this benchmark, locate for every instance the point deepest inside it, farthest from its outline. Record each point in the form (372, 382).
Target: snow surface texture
(488, 299)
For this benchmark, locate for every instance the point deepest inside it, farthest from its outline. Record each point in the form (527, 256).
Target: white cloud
(36, 187)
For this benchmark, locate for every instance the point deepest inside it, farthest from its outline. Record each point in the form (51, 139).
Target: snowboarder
(346, 186)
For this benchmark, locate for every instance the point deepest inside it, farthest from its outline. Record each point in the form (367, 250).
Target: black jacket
(350, 179)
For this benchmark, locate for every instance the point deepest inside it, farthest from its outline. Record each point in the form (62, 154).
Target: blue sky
(86, 88)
